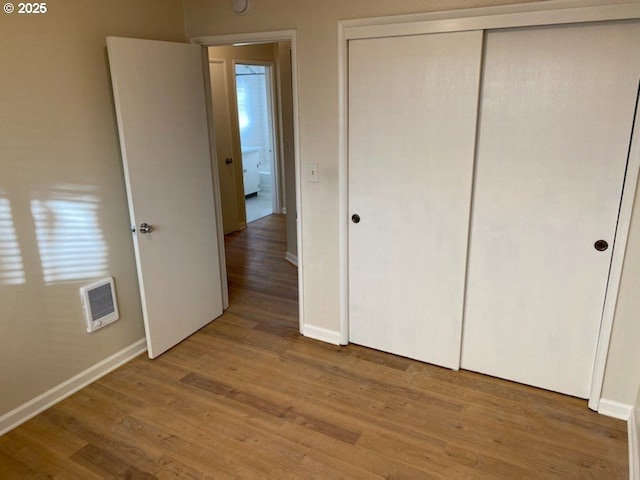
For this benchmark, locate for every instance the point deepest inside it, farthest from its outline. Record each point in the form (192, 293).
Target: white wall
(316, 25)
(60, 156)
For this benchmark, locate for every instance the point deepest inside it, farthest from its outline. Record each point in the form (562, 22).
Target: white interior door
(160, 104)
(221, 107)
(412, 124)
(554, 135)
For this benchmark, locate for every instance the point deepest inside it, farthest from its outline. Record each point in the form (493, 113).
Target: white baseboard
(618, 410)
(291, 258)
(322, 334)
(24, 412)
(634, 445)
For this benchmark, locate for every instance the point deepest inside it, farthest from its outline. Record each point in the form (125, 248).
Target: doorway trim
(510, 16)
(259, 38)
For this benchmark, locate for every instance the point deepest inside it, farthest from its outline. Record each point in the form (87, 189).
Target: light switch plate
(313, 176)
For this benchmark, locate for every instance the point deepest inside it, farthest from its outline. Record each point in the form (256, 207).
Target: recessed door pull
(601, 245)
(355, 218)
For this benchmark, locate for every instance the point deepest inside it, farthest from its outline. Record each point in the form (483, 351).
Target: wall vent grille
(99, 304)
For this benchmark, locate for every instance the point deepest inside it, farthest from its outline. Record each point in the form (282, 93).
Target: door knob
(601, 245)
(355, 218)
(145, 228)
(228, 161)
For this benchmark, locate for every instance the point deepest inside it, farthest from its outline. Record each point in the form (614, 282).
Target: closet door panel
(412, 124)
(557, 107)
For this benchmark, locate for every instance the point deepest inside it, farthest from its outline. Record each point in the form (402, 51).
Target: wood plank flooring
(248, 397)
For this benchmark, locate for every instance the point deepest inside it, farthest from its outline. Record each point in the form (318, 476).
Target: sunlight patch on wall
(11, 267)
(69, 236)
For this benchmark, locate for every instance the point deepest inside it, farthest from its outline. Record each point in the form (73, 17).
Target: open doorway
(247, 243)
(254, 97)
(253, 116)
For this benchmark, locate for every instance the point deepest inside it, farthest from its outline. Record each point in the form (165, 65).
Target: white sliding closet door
(556, 116)
(412, 124)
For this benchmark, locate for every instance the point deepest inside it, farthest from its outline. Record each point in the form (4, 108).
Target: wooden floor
(248, 397)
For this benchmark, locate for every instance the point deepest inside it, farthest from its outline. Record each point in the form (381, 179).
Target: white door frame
(277, 174)
(521, 15)
(260, 38)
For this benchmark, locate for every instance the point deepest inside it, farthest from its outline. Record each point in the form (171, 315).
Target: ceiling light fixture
(241, 7)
